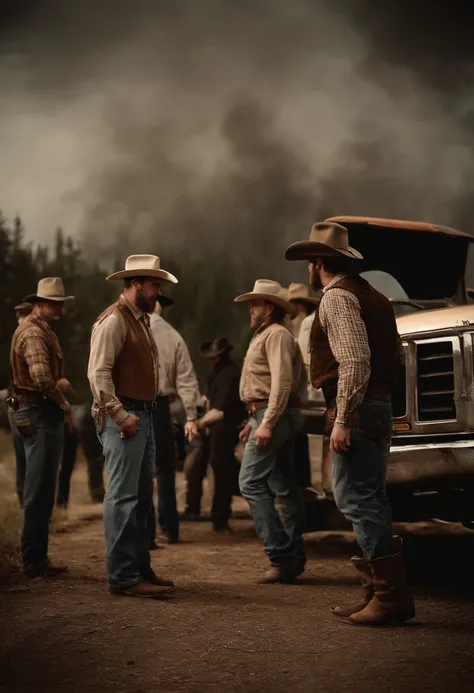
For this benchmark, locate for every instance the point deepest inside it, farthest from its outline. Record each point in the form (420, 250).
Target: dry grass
(10, 513)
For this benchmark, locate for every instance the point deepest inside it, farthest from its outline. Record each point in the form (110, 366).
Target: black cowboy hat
(215, 347)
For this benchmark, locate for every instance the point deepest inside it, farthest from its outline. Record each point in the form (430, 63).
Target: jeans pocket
(25, 421)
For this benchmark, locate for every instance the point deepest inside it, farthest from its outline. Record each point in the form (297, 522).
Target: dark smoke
(225, 129)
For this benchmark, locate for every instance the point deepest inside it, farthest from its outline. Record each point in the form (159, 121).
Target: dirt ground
(222, 632)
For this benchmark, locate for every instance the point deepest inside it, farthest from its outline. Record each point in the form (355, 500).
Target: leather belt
(138, 404)
(252, 407)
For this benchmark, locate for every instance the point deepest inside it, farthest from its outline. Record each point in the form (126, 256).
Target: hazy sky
(207, 119)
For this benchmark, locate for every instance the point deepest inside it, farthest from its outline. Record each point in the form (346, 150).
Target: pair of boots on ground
(386, 597)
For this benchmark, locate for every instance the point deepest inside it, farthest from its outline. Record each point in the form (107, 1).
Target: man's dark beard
(315, 281)
(147, 305)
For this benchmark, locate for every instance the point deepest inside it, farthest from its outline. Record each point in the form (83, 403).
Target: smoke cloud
(220, 128)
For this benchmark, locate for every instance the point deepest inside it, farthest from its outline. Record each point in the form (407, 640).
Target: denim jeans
(165, 465)
(359, 479)
(42, 432)
(129, 463)
(268, 473)
(20, 455)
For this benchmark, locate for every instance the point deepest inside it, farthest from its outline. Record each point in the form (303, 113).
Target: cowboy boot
(278, 574)
(367, 581)
(392, 601)
(366, 578)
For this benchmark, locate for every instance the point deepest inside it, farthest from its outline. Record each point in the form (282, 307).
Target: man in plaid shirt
(355, 359)
(39, 407)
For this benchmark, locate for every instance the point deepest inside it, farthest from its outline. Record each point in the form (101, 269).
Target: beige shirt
(272, 369)
(177, 376)
(107, 340)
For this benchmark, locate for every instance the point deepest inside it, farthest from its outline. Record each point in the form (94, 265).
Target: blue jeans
(129, 463)
(42, 431)
(20, 455)
(266, 474)
(359, 479)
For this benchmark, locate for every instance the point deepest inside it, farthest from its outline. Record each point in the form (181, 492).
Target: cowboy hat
(49, 289)
(300, 292)
(165, 301)
(143, 266)
(215, 347)
(326, 239)
(23, 308)
(268, 290)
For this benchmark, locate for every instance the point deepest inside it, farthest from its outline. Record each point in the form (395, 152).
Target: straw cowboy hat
(267, 290)
(300, 292)
(49, 289)
(143, 266)
(215, 347)
(326, 239)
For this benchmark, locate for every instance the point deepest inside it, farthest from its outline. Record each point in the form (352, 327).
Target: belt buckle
(154, 404)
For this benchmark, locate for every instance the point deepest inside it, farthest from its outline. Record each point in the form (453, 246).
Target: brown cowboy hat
(49, 289)
(300, 292)
(143, 266)
(215, 347)
(24, 308)
(326, 239)
(268, 290)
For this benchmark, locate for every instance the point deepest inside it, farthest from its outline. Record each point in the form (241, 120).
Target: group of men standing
(354, 354)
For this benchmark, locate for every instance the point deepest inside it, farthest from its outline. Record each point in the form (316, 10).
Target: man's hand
(263, 435)
(245, 433)
(340, 440)
(129, 426)
(190, 430)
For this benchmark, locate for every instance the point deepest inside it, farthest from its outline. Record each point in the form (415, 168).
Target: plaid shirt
(37, 359)
(341, 319)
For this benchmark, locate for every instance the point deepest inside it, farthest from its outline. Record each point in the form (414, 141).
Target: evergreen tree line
(203, 309)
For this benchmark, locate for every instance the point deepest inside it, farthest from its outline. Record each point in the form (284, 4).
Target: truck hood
(428, 260)
(434, 320)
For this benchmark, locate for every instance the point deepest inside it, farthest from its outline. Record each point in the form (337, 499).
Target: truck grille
(435, 379)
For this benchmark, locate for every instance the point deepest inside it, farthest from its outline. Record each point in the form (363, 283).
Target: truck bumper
(410, 464)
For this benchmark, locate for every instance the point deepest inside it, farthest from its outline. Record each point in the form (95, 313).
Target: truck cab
(431, 465)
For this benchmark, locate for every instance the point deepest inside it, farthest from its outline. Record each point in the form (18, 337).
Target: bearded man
(124, 378)
(355, 359)
(272, 376)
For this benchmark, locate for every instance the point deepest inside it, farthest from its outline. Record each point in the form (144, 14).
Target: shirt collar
(336, 279)
(137, 314)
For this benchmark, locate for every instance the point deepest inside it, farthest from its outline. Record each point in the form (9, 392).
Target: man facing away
(355, 359)
(219, 446)
(39, 406)
(271, 378)
(124, 378)
(177, 379)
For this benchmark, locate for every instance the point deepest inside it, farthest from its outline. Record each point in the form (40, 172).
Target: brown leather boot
(44, 569)
(283, 574)
(366, 578)
(161, 581)
(392, 601)
(143, 590)
(367, 581)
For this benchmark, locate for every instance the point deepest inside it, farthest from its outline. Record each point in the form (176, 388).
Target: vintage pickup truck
(431, 464)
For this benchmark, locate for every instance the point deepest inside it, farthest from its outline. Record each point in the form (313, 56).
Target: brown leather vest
(379, 318)
(133, 373)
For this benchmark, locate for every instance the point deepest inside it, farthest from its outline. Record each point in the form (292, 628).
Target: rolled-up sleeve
(107, 342)
(280, 350)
